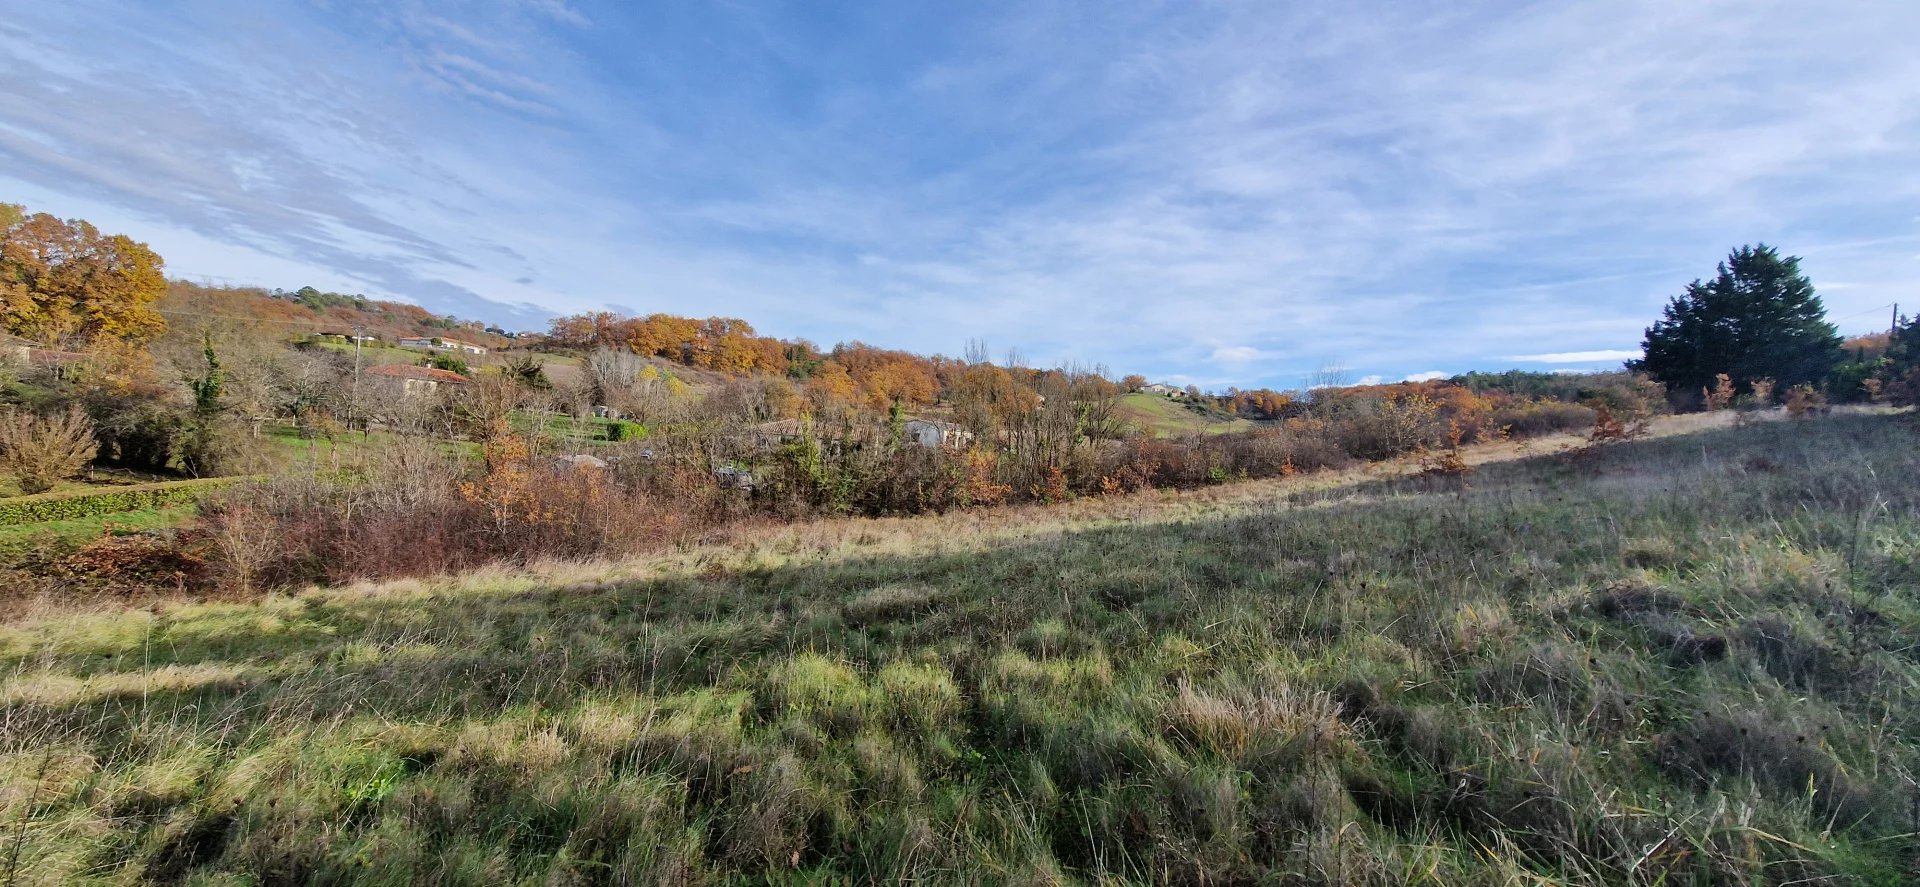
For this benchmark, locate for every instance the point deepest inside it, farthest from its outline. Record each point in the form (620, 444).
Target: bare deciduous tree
(41, 451)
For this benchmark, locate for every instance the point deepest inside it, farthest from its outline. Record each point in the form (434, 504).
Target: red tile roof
(428, 374)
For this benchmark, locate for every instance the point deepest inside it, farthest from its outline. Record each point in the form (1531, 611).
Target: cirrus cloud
(1601, 356)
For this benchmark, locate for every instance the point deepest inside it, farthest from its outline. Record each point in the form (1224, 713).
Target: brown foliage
(978, 485)
(1448, 462)
(1606, 428)
(416, 511)
(1720, 396)
(137, 561)
(1803, 400)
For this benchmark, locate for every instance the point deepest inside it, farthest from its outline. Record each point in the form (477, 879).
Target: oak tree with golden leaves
(63, 282)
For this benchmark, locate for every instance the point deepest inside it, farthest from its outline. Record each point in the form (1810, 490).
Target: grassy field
(286, 447)
(1682, 660)
(1163, 417)
(62, 535)
(377, 355)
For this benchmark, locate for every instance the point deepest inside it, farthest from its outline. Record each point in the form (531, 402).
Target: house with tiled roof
(418, 380)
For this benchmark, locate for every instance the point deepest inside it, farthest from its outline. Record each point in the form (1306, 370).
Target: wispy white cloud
(1235, 354)
(1428, 376)
(1602, 356)
(560, 10)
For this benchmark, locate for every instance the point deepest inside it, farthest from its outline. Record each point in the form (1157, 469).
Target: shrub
(1803, 399)
(1607, 428)
(1396, 425)
(41, 451)
(1720, 396)
(1536, 418)
(216, 445)
(621, 430)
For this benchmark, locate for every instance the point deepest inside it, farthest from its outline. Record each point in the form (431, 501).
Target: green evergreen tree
(208, 388)
(1759, 318)
(1903, 348)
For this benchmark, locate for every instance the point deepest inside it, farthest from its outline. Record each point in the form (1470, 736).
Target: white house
(1163, 389)
(439, 343)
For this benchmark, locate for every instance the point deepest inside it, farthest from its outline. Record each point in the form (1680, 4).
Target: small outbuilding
(935, 434)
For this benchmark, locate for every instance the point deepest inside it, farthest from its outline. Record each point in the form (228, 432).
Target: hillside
(1160, 416)
(1681, 660)
(276, 315)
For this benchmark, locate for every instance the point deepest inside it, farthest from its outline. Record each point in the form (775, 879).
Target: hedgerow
(67, 506)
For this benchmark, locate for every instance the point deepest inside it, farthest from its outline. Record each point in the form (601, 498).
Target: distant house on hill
(417, 380)
(1162, 389)
(348, 338)
(439, 343)
(933, 433)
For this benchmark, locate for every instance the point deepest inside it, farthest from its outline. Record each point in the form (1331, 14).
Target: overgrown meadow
(1682, 660)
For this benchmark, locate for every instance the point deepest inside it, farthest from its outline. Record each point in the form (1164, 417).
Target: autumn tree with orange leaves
(63, 282)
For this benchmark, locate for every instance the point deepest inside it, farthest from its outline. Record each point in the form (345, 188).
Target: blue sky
(1219, 193)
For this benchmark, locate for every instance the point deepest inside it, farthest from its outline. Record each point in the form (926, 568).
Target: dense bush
(141, 436)
(1532, 419)
(619, 430)
(415, 509)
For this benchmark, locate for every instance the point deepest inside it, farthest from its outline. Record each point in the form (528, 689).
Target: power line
(1874, 309)
(178, 313)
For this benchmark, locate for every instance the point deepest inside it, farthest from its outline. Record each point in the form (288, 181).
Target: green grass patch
(290, 447)
(377, 355)
(1160, 416)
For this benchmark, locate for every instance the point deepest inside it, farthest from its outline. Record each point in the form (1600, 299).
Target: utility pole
(353, 408)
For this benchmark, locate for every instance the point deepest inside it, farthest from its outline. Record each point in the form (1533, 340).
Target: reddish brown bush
(119, 562)
(416, 513)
